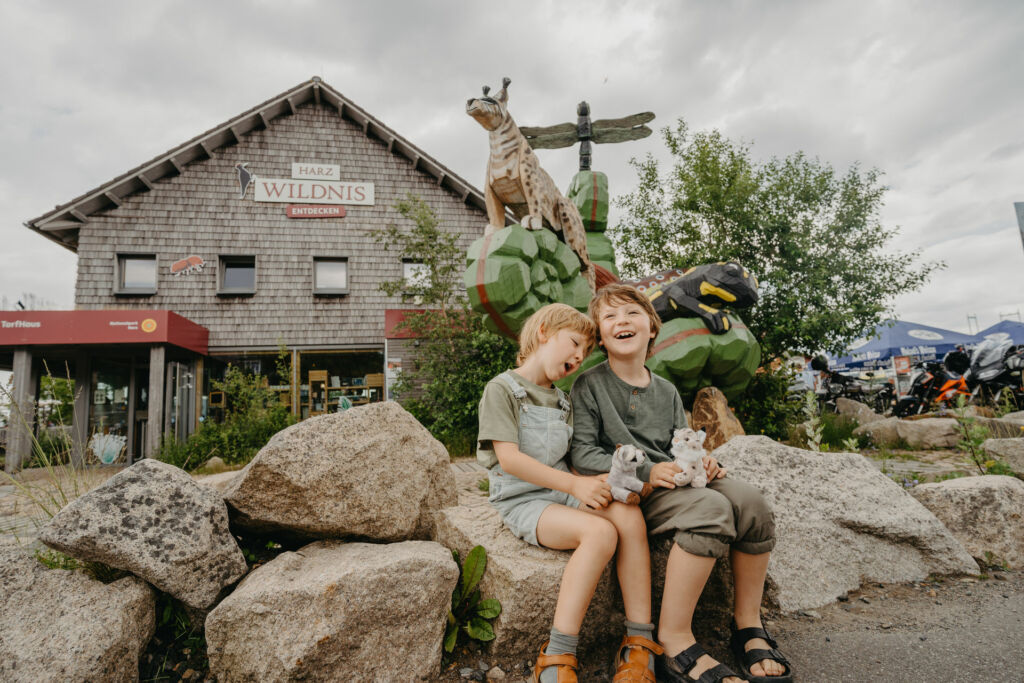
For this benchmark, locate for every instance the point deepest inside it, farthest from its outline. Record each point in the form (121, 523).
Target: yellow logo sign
(148, 325)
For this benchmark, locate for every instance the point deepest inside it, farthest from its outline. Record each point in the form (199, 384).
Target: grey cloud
(927, 93)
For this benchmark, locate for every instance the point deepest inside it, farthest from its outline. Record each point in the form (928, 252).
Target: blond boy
(525, 432)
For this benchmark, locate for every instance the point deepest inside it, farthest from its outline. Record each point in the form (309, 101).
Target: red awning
(65, 328)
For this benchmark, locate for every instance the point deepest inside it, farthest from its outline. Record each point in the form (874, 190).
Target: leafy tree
(456, 355)
(812, 235)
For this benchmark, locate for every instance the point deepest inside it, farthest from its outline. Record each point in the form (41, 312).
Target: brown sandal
(631, 662)
(567, 666)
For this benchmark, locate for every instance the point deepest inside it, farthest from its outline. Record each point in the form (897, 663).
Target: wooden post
(155, 421)
(23, 411)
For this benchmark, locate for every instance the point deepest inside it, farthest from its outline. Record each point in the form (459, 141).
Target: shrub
(456, 358)
(837, 432)
(253, 415)
(767, 407)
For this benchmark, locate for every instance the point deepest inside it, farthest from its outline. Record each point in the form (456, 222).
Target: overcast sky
(929, 92)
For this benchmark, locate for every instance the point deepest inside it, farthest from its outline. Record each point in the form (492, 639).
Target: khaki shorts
(709, 521)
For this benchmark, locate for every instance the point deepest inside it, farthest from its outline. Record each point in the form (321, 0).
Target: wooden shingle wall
(199, 212)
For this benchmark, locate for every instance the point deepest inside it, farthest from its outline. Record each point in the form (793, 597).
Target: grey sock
(645, 631)
(560, 644)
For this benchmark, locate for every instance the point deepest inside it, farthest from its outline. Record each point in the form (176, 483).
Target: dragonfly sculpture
(585, 132)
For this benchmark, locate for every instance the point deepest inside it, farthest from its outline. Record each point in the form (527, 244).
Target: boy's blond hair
(617, 294)
(551, 319)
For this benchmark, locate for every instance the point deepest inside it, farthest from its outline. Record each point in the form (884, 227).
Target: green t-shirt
(499, 414)
(608, 412)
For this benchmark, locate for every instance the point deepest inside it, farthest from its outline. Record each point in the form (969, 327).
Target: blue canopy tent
(901, 338)
(1006, 329)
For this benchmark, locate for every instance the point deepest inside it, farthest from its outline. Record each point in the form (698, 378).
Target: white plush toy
(688, 450)
(626, 486)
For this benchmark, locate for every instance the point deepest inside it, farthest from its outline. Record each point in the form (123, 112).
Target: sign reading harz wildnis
(320, 191)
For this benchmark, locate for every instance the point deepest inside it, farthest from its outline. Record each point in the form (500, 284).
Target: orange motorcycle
(936, 385)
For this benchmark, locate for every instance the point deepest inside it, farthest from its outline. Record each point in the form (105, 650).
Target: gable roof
(62, 224)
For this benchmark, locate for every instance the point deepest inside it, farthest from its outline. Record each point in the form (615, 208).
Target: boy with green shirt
(620, 402)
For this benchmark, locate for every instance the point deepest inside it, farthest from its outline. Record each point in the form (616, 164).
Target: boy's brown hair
(552, 318)
(617, 294)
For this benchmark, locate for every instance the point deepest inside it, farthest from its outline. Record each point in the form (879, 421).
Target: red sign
(68, 328)
(902, 364)
(315, 211)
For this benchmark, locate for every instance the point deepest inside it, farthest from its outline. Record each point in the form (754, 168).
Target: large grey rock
(1010, 451)
(333, 611)
(1017, 416)
(371, 472)
(58, 625)
(929, 432)
(857, 411)
(153, 520)
(524, 579)
(986, 514)
(839, 522)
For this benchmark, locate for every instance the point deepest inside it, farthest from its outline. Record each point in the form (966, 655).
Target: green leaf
(473, 570)
(488, 609)
(474, 599)
(478, 629)
(456, 597)
(451, 633)
(166, 616)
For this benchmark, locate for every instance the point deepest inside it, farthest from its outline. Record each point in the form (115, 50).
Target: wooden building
(259, 233)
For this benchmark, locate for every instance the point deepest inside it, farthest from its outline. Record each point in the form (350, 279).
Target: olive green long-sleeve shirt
(607, 411)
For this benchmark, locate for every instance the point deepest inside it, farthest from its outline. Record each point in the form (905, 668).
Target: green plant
(767, 406)
(484, 485)
(992, 560)
(53, 559)
(470, 614)
(454, 363)
(1005, 403)
(813, 427)
(995, 466)
(946, 476)
(837, 432)
(253, 415)
(851, 445)
(972, 435)
(178, 640)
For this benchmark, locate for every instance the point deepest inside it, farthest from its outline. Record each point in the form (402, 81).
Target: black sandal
(746, 659)
(675, 669)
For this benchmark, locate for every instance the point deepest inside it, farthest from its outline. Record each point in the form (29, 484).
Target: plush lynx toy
(626, 486)
(688, 450)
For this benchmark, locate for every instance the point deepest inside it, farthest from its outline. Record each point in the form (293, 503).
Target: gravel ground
(941, 630)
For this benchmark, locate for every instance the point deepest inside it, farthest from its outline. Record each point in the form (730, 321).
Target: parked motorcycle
(936, 385)
(876, 395)
(995, 374)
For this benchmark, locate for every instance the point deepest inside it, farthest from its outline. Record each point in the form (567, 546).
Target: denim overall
(544, 435)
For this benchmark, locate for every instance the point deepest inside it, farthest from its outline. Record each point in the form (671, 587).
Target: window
(330, 276)
(237, 275)
(414, 273)
(136, 274)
